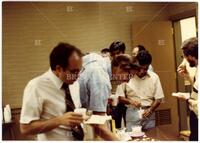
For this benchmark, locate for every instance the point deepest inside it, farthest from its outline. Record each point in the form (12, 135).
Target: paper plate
(134, 135)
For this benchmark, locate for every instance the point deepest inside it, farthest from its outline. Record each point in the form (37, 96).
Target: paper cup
(140, 112)
(114, 98)
(81, 111)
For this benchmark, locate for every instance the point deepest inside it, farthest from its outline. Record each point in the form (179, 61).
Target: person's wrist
(150, 110)
(130, 102)
(59, 120)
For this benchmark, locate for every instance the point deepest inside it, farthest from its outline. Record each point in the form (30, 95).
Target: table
(8, 128)
(144, 138)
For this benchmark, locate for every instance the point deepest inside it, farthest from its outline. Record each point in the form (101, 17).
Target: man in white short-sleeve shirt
(143, 91)
(44, 110)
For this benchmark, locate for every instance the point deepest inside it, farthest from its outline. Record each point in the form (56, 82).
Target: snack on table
(137, 129)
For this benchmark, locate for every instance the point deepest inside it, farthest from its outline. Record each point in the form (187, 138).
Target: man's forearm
(39, 126)
(155, 105)
(105, 133)
(124, 100)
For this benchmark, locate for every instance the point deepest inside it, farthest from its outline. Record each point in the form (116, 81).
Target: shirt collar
(93, 57)
(57, 82)
(148, 74)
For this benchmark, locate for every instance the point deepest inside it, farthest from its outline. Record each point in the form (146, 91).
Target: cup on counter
(7, 116)
(136, 129)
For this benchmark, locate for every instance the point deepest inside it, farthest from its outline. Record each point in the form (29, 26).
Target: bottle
(7, 114)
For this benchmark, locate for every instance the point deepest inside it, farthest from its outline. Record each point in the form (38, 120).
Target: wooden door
(157, 37)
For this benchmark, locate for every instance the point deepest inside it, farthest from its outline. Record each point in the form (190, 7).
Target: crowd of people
(49, 100)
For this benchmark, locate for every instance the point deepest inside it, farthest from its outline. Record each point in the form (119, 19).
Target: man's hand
(147, 113)
(41, 126)
(70, 119)
(183, 71)
(135, 103)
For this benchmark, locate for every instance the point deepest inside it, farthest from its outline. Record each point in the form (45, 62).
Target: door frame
(177, 19)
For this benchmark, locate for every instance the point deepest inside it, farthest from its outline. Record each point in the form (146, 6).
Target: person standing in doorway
(190, 53)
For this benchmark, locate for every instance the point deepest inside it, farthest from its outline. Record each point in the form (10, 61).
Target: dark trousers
(118, 112)
(193, 127)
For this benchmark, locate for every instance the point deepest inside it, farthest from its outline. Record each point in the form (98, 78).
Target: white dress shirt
(44, 99)
(191, 70)
(193, 101)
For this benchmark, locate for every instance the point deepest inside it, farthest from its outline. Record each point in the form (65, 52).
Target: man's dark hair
(123, 61)
(105, 50)
(190, 47)
(144, 58)
(141, 48)
(60, 55)
(117, 45)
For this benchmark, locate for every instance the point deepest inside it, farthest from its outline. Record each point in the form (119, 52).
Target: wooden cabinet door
(157, 37)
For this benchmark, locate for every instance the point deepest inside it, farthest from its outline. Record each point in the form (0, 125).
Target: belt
(145, 107)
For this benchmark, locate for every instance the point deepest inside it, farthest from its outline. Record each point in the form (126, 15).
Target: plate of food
(136, 132)
(181, 94)
(136, 135)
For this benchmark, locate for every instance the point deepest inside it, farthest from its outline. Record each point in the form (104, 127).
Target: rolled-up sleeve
(32, 104)
(99, 90)
(158, 93)
(120, 90)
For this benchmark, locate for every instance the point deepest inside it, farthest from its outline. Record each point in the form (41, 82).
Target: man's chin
(140, 76)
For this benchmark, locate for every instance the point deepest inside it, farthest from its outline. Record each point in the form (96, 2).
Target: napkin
(179, 94)
(97, 119)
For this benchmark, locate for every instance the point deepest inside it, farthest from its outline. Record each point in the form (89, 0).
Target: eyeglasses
(144, 68)
(73, 74)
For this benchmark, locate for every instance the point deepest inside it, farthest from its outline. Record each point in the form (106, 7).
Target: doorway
(158, 39)
(183, 29)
